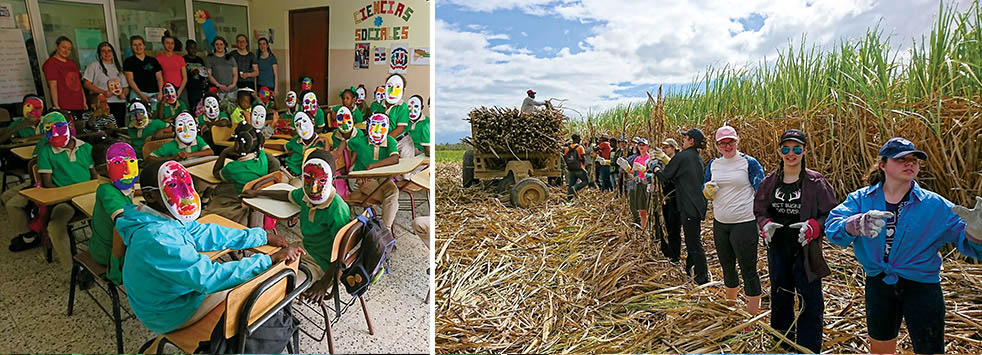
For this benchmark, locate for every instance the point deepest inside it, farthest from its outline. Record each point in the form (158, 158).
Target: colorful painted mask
(170, 93)
(59, 134)
(318, 177)
(115, 87)
(264, 94)
(306, 84)
(49, 120)
(177, 192)
(360, 91)
(291, 99)
(345, 122)
(33, 107)
(258, 117)
(415, 107)
(393, 88)
(138, 115)
(310, 104)
(212, 111)
(122, 165)
(185, 128)
(304, 125)
(380, 94)
(378, 128)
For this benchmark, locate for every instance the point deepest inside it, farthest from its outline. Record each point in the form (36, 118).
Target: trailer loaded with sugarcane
(514, 151)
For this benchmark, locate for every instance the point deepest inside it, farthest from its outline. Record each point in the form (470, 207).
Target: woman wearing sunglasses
(896, 228)
(791, 205)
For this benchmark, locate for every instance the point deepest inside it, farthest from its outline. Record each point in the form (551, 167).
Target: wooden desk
(422, 178)
(275, 143)
(86, 203)
(281, 136)
(203, 172)
(24, 152)
(404, 166)
(274, 152)
(52, 196)
(222, 221)
(198, 160)
(274, 208)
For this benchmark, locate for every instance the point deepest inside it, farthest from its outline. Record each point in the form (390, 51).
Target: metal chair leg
(412, 203)
(371, 331)
(327, 327)
(117, 319)
(71, 288)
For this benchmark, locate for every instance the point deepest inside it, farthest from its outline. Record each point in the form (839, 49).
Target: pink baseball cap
(726, 132)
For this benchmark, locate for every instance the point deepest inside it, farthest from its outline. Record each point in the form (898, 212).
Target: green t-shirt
(38, 146)
(374, 108)
(420, 133)
(356, 135)
(137, 140)
(318, 236)
(25, 132)
(366, 151)
(294, 149)
(241, 172)
(170, 149)
(355, 114)
(109, 202)
(171, 112)
(398, 116)
(319, 118)
(63, 171)
(202, 119)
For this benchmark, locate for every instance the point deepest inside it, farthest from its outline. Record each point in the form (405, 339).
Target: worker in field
(530, 103)
(673, 220)
(896, 228)
(576, 177)
(618, 172)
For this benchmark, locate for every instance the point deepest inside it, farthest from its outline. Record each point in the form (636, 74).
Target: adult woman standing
(64, 79)
(143, 72)
(197, 74)
(105, 77)
(732, 181)
(173, 67)
(791, 206)
(268, 68)
(673, 220)
(248, 67)
(896, 229)
(222, 70)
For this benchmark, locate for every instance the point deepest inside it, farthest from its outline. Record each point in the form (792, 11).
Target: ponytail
(875, 174)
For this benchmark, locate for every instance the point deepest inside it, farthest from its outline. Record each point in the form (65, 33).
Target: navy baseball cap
(793, 135)
(898, 147)
(696, 134)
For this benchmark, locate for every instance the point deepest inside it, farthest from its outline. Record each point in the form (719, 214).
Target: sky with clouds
(599, 53)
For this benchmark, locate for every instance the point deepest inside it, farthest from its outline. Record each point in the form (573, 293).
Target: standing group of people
(895, 226)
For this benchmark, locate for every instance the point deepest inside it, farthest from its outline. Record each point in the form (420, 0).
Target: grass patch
(443, 156)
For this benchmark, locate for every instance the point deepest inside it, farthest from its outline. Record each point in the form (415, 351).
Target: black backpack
(271, 338)
(376, 244)
(572, 158)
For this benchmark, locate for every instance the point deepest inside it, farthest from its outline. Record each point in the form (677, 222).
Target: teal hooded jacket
(166, 278)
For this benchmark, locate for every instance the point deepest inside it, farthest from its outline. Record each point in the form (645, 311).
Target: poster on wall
(420, 56)
(398, 58)
(361, 55)
(16, 79)
(380, 53)
(6, 16)
(267, 34)
(86, 42)
(154, 34)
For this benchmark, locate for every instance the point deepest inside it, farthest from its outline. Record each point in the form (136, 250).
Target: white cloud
(643, 43)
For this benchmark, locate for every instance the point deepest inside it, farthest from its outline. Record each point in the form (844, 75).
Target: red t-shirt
(172, 68)
(66, 73)
(604, 148)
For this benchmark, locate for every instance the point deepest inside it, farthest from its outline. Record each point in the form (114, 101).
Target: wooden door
(309, 48)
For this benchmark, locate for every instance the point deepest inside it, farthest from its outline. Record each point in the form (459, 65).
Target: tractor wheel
(468, 172)
(529, 192)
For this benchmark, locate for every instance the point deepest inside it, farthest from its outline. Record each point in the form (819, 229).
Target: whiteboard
(16, 79)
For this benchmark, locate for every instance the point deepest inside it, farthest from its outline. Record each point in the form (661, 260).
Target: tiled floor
(34, 298)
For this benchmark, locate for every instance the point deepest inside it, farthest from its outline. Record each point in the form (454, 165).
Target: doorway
(309, 48)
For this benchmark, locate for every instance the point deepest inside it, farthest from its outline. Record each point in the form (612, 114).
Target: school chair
(221, 135)
(344, 252)
(4, 117)
(419, 181)
(83, 260)
(245, 309)
(255, 218)
(150, 146)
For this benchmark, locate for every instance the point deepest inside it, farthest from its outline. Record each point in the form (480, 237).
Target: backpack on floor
(376, 244)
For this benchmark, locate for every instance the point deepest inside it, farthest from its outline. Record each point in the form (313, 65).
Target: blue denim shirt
(923, 226)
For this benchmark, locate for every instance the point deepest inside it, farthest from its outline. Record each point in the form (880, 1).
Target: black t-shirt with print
(785, 209)
(891, 226)
(144, 72)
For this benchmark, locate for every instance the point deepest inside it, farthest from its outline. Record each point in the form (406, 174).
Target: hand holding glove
(767, 233)
(807, 231)
(972, 218)
(867, 224)
(709, 190)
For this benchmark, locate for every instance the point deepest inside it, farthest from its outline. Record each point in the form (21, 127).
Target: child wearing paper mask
(170, 106)
(398, 113)
(305, 139)
(212, 115)
(309, 105)
(110, 199)
(247, 162)
(169, 283)
(24, 126)
(322, 213)
(377, 105)
(348, 100)
(419, 127)
(186, 143)
(343, 137)
(378, 150)
(141, 126)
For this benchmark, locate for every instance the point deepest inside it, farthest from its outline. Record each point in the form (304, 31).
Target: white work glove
(807, 231)
(868, 224)
(709, 190)
(768, 231)
(972, 218)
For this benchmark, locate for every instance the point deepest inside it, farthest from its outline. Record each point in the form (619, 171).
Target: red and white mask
(59, 135)
(310, 104)
(258, 117)
(318, 180)
(380, 94)
(393, 88)
(33, 107)
(170, 93)
(177, 192)
(415, 104)
(291, 99)
(360, 91)
(211, 108)
(378, 128)
(185, 128)
(115, 87)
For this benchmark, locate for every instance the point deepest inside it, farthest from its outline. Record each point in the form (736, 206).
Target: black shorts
(921, 305)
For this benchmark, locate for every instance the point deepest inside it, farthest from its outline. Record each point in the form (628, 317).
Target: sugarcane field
(823, 201)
